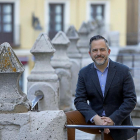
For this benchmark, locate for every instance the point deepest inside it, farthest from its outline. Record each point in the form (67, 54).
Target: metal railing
(102, 127)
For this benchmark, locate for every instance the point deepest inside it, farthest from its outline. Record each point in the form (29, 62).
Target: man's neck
(102, 67)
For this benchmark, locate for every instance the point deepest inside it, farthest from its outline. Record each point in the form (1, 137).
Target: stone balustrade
(12, 99)
(43, 77)
(62, 65)
(74, 55)
(16, 122)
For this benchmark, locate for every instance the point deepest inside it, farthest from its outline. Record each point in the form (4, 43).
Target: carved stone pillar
(12, 99)
(83, 42)
(62, 65)
(74, 56)
(15, 122)
(92, 28)
(43, 77)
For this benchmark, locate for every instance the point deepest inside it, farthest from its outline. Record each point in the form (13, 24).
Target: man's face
(99, 52)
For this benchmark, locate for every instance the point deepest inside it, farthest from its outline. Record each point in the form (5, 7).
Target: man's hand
(99, 121)
(107, 121)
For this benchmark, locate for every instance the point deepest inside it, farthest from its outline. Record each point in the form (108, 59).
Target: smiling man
(109, 88)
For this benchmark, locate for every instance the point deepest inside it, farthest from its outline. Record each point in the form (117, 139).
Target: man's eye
(94, 50)
(102, 49)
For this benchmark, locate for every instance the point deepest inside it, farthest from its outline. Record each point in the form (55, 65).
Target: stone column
(92, 28)
(114, 38)
(12, 99)
(83, 42)
(43, 78)
(74, 56)
(15, 122)
(62, 65)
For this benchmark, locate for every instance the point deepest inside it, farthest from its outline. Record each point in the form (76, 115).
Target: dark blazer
(118, 101)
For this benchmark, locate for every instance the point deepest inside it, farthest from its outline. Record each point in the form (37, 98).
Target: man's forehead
(98, 43)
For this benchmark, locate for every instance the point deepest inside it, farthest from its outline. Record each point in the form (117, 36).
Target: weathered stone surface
(50, 99)
(43, 77)
(83, 42)
(74, 55)
(60, 58)
(44, 125)
(62, 65)
(92, 29)
(114, 37)
(12, 99)
(73, 36)
(8, 60)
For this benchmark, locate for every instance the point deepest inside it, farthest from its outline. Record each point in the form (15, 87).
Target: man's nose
(98, 52)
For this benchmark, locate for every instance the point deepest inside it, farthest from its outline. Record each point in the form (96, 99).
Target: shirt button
(102, 74)
(102, 85)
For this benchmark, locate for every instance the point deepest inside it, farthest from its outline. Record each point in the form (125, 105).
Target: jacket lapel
(110, 76)
(95, 79)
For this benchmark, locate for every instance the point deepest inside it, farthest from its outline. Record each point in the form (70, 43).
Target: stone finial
(61, 39)
(72, 33)
(90, 26)
(43, 77)
(73, 36)
(42, 51)
(83, 29)
(60, 58)
(8, 60)
(83, 42)
(62, 65)
(12, 99)
(42, 44)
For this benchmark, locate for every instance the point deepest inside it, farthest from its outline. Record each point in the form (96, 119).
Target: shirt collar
(105, 68)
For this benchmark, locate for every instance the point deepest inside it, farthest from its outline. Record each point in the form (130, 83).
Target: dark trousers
(76, 118)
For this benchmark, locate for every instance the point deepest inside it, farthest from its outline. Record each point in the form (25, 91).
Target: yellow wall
(117, 15)
(118, 18)
(77, 12)
(28, 34)
(77, 16)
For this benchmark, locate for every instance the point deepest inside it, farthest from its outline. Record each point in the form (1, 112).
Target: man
(110, 90)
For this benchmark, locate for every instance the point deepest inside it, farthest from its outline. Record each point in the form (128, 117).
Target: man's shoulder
(86, 68)
(120, 66)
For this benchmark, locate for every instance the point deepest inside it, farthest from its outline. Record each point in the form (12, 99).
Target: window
(6, 23)
(56, 21)
(97, 11)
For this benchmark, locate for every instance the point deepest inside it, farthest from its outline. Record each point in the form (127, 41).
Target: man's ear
(109, 51)
(89, 53)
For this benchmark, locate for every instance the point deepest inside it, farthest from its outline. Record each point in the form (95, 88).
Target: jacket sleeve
(81, 99)
(129, 100)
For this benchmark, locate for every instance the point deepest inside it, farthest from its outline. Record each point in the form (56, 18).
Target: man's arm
(129, 100)
(81, 100)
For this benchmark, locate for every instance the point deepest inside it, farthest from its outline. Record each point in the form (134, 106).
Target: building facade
(21, 21)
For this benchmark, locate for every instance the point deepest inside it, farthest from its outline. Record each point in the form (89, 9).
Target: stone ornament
(73, 36)
(83, 42)
(60, 58)
(62, 65)
(12, 99)
(74, 55)
(8, 60)
(43, 77)
(72, 33)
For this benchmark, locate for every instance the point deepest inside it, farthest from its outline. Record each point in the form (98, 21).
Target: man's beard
(100, 63)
